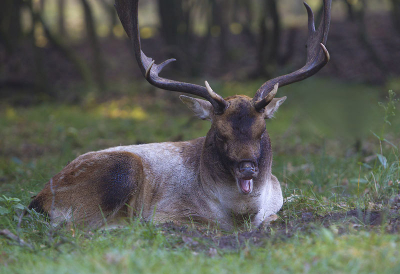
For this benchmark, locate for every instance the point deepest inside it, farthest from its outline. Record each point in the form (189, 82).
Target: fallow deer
(221, 179)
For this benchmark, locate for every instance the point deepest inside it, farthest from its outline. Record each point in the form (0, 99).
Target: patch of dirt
(341, 223)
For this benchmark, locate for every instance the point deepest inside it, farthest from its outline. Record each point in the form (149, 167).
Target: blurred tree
(276, 29)
(61, 18)
(243, 13)
(108, 6)
(98, 63)
(41, 79)
(177, 30)
(11, 35)
(289, 47)
(10, 24)
(350, 10)
(59, 43)
(42, 4)
(396, 14)
(269, 39)
(360, 12)
(173, 27)
(172, 21)
(219, 26)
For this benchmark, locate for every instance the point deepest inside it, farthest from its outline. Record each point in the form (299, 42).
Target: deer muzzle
(246, 172)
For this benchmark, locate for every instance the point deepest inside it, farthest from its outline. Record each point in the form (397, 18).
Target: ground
(335, 154)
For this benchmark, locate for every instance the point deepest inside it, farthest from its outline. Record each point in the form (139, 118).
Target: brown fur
(85, 190)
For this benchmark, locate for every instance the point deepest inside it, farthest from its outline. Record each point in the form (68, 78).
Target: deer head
(237, 141)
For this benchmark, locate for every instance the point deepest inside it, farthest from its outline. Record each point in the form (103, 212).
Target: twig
(7, 233)
(376, 188)
(19, 224)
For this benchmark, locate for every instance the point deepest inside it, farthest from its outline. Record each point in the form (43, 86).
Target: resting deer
(221, 179)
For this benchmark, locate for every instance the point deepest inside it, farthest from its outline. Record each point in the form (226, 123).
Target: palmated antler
(317, 58)
(128, 14)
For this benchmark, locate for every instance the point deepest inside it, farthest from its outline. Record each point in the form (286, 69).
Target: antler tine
(317, 56)
(127, 11)
(267, 99)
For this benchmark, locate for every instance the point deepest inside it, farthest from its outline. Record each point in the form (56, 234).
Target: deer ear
(201, 108)
(272, 107)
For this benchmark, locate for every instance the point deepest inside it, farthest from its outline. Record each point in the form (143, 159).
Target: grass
(334, 153)
(129, 253)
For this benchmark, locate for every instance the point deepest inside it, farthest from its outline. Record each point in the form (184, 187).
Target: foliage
(390, 107)
(9, 206)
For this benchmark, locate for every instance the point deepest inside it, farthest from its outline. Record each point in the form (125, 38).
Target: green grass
(314, 136)
(130, 251)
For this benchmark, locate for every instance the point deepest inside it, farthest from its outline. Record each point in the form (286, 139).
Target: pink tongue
(245, 185)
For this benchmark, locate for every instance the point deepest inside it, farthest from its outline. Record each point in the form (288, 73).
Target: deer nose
(247, 168)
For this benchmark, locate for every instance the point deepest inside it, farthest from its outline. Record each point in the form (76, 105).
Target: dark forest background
(55, 49)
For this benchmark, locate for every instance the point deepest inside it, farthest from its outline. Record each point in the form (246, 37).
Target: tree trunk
(42, 4)
(10, 24)
(365, 40)
(288, 53)
(262, 42)
(350, 10)
(172, 23)
(220, 19)
(83, 69)
(98, 63)
(41, 79)
(61, 18)
(275, 37)
(246, 6)
(176, 23)
(171, 17)
(396, 14)
(269, 39)
(109, 8)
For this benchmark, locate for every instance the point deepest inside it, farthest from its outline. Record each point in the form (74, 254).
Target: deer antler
(317, 57)
(128, 14)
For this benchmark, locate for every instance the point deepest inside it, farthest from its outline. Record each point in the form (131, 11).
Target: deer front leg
(273, 203)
